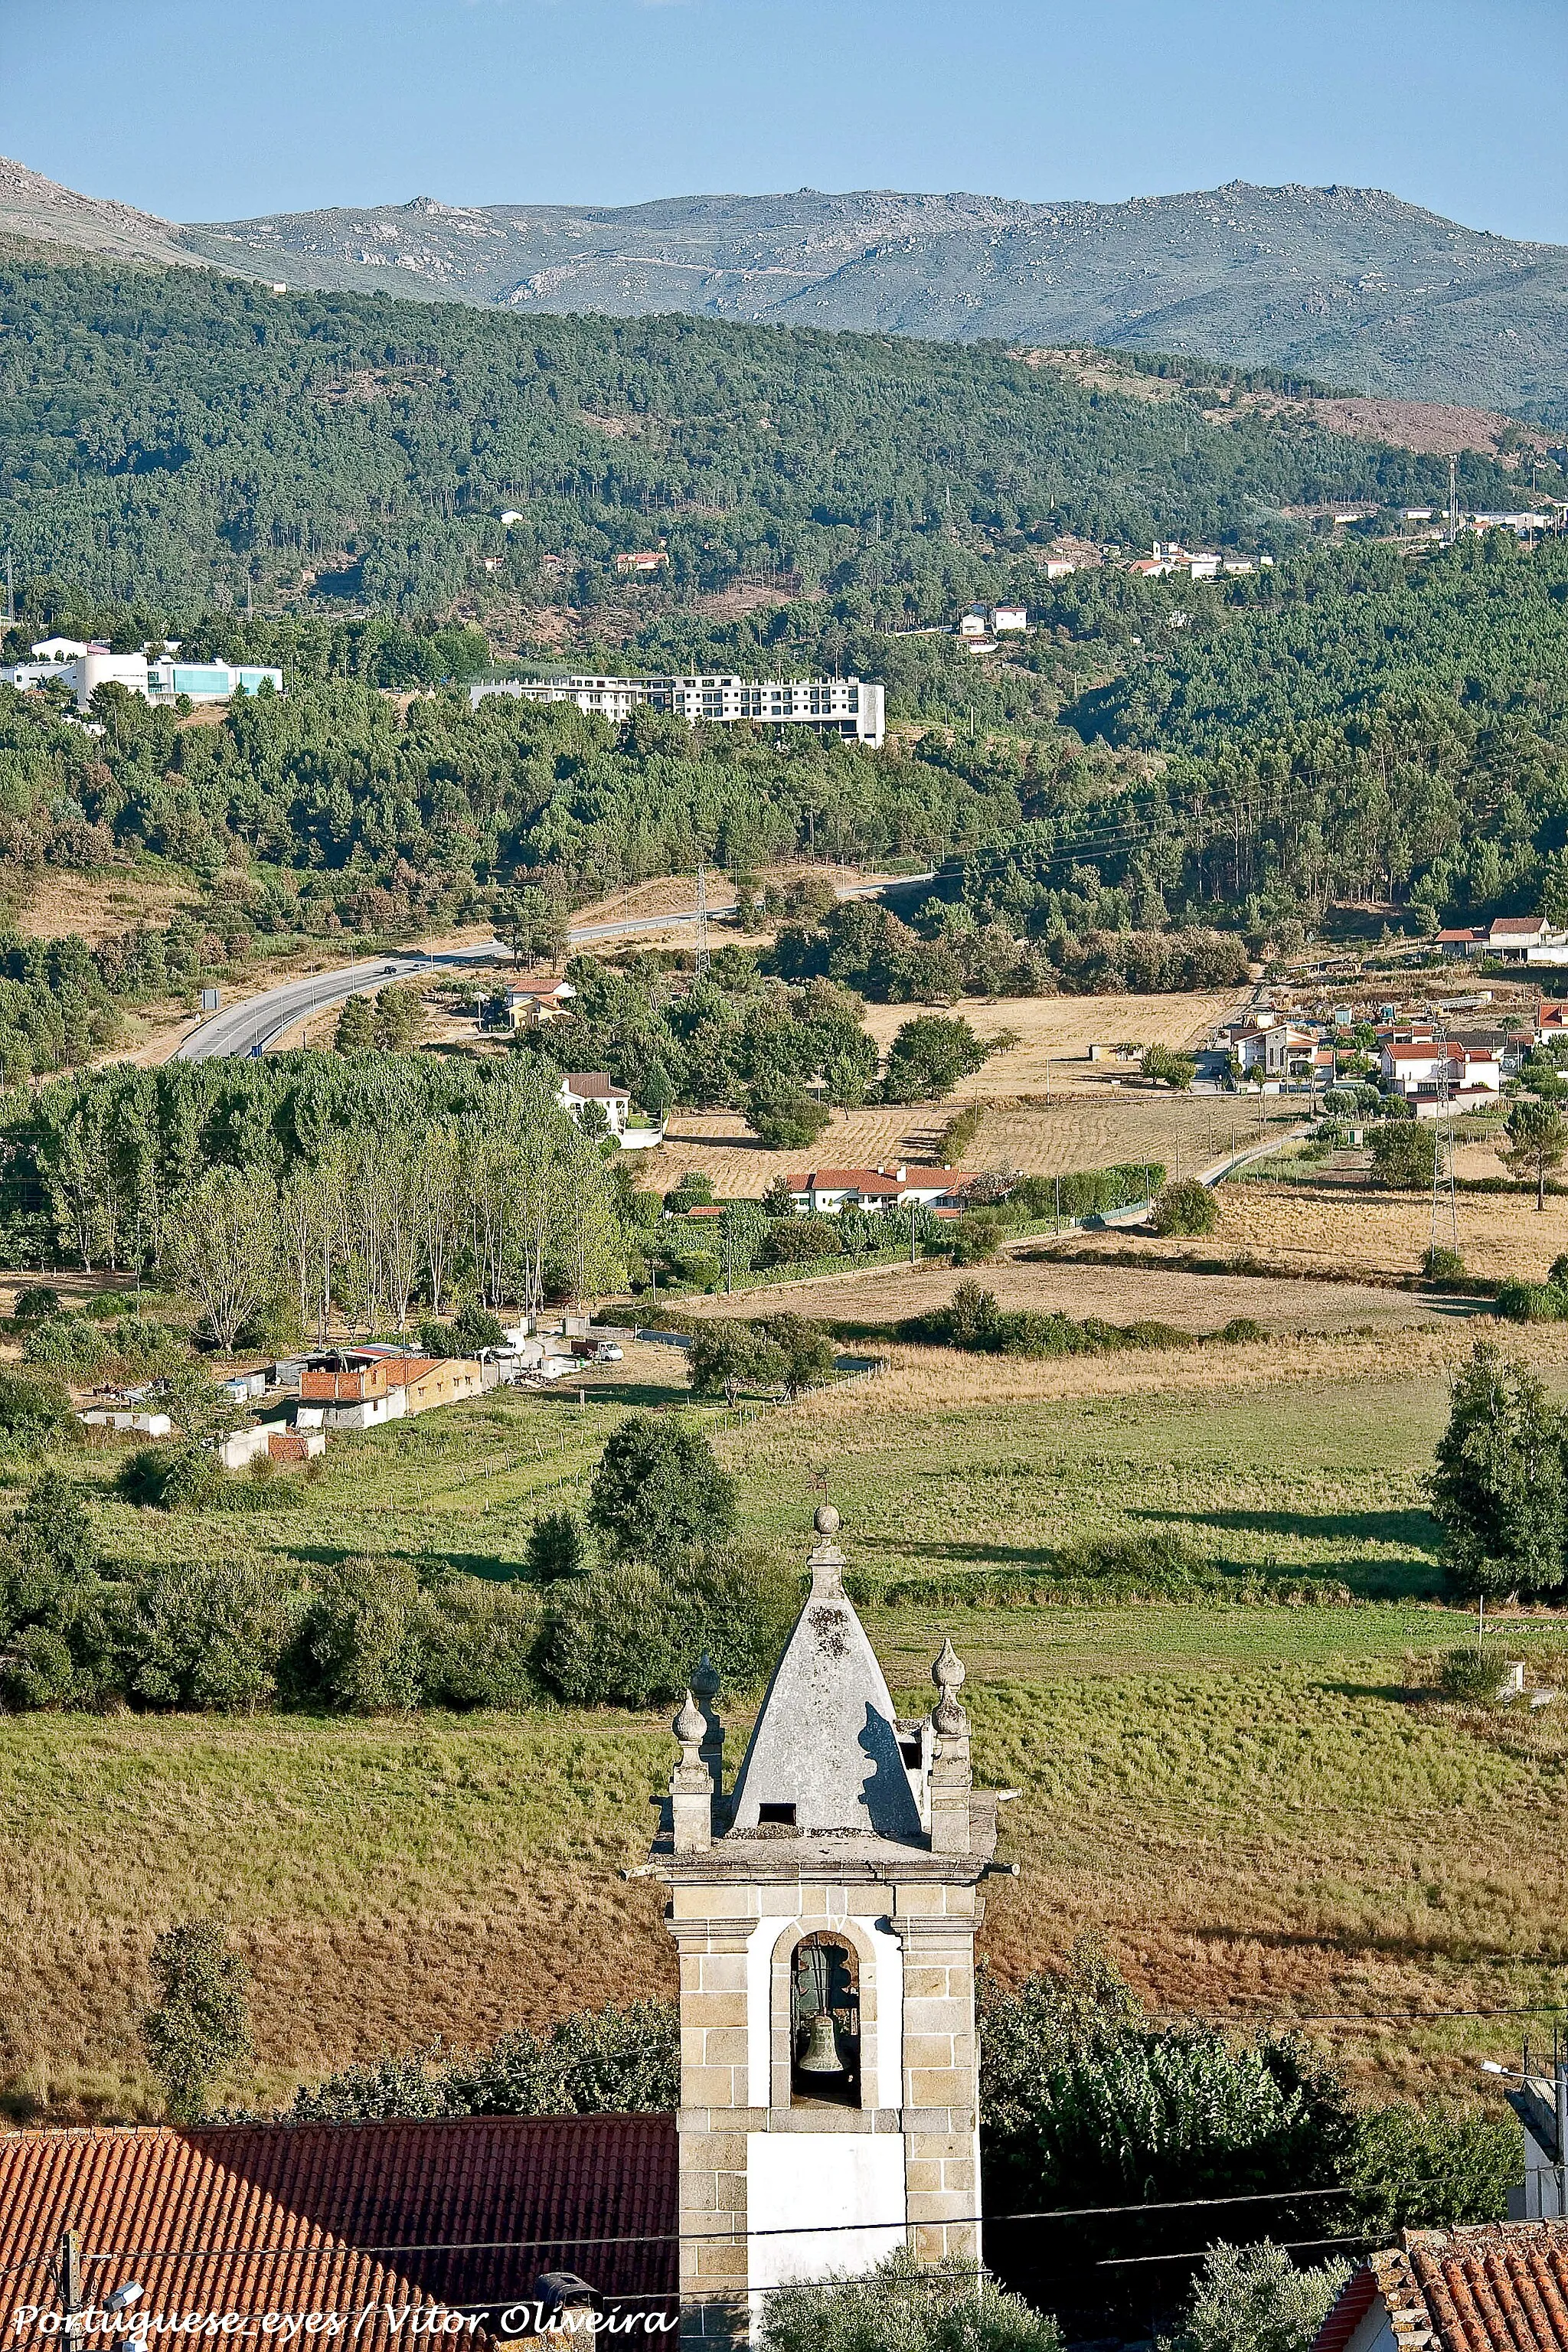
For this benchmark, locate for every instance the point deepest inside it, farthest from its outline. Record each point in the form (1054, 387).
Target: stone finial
(952, 1778)
(826, 1561)
(948, 1674)
(690, 1784)
(705, 1690)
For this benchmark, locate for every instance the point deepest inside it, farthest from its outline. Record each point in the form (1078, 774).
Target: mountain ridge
(1345, 285)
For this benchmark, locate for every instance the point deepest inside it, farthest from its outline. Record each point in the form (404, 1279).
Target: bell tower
(825, 1911)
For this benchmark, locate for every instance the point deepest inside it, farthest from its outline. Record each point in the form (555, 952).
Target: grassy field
(1255, 1806)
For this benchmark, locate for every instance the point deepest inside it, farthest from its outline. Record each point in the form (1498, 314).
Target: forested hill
(1348, 285)
(172, 437)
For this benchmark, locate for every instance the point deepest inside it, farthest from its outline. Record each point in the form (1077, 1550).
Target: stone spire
(824, 1755)
(951, 1774)
(691, 1784)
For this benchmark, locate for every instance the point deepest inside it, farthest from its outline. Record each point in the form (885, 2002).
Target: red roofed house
(1464, 943)
(459, 2214)
(1552, 1020)
(1527, 939)
(1494, 2286)
(1418, 1068)
(825, 1190)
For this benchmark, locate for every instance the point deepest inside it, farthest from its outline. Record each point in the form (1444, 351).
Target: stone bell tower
(824, 1912)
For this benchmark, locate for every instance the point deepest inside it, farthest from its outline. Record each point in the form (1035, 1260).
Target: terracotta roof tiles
(1495, 2286)
(257, 2218)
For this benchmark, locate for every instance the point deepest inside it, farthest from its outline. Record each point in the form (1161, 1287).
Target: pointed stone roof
(826, 1742)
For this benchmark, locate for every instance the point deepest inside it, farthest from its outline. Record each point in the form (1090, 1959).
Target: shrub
(795, 1241)
(783, 1116)
(1240, 1330)
(474, 1644)
(177, 1475)
(1531, 1302)
(356, 1646)
(35, 1410)
(627, 1636)
(1443, 1265)
(1174, 1070)
(1432, 2167)
(198, 2030)
(960, 1132)
(905, 2305)
(1254, 2299)
(658, 1490)
(556, 1548)
(1404, 1154)
(1188, 1207)
(67, 1343)
(607, 2060)
(206, 1638)
(975, 1237)
(1468, 1676)
(36, 1301)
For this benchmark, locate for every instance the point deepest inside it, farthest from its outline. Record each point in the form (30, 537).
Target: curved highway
(258, 1021)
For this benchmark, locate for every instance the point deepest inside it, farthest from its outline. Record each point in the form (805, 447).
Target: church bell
(820, 2055)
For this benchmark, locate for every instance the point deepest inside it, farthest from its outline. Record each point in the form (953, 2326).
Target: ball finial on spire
(826, 1521)
(689, 1726)
(948, 1672)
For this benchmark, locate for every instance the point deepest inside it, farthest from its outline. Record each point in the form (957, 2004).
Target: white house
(526, 1008)
(1009, 620)
(578, 1088)
(1528, 938)
(1419, 1068)
(975, 623)
(826, 1191)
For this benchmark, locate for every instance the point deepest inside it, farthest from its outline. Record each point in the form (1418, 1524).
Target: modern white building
(850, 707)
(160, 677)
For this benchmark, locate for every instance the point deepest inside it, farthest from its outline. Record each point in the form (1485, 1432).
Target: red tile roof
(592, 1086)
(1495, 2286)
(1520, 926)
(253, 2218)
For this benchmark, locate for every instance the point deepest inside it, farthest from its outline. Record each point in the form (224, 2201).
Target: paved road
(258, 1021)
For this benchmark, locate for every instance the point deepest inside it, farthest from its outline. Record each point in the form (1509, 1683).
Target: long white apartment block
(850, 707)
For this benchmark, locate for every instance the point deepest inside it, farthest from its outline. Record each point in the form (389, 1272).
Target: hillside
(168, 436)
(1350, 286)
(1347, 285)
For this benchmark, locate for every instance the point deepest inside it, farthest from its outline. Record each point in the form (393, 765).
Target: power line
(1291, 2245)
(673, 2237)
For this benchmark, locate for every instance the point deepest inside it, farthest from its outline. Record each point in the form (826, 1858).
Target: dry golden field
(1118, 1294)
(1500, 1234)
(1060, 1030)
(1087, 1127)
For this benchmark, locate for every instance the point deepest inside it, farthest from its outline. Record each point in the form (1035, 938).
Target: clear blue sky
(218, 109)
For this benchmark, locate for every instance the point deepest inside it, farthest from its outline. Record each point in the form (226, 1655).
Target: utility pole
(704, 960)
(10, 594)
(69, 2282)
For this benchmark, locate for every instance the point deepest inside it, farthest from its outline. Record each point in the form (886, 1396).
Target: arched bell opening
(825, 2022)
